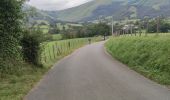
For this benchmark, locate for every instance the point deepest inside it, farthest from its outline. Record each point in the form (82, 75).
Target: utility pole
(158, 25)
(140, 29)
(131, 29)
(123, 32)
(112, 25)
(147, 28)
(100, 19)
(146, 24)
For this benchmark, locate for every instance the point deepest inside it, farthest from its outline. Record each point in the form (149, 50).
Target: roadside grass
(148, 55)
(16, 86)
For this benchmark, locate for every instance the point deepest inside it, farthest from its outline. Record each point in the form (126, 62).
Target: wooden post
(158, 25)
(49, 52)
(45, 59)
(69, 45)
(131, 30)
(54, 51)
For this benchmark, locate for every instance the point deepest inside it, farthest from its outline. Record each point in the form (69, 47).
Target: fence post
(54, 51)
(69, 45)
(49, 52)
(45, 59)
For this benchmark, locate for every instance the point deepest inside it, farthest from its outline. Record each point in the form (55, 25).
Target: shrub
(31, 43)
(10, 28)
(10, 32)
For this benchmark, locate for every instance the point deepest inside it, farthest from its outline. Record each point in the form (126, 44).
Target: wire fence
(54, 50)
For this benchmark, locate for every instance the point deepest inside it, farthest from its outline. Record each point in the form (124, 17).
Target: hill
(120, 9)
(37, 15)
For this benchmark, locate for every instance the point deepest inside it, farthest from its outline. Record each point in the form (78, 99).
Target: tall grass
(148, 55)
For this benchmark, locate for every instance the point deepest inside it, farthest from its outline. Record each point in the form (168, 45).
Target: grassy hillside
(147, 55)
(119, 8)
(36, 14)
(80, 12)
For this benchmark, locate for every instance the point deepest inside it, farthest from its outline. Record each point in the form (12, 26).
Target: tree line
(87, 30)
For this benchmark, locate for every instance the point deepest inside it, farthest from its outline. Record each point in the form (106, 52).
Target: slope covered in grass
(148, 55)
(119, 9)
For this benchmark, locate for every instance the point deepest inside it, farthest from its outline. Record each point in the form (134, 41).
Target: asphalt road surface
(91, 74)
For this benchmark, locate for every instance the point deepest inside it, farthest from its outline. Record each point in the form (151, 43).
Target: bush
(10, 32)
(10, 28)
(31, 46)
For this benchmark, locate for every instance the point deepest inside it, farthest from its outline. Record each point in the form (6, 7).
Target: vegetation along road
(91, 74)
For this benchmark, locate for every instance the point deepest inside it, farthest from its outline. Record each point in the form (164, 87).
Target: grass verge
(149, 55)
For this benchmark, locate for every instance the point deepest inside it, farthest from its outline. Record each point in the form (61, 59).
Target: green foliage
(87, 31)
(102, 29)
(10, 33)
(164, 26)
(10, 29)
(31, 46)
(147, 55)
(54, 29)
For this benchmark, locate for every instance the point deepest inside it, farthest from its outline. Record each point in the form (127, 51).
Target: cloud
(56, 4)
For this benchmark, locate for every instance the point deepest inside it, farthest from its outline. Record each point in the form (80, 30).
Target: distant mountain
(36, 14)
(120, 9)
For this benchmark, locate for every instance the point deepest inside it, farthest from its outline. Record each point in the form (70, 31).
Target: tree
(54, 29)
(103, 29)
(29, 14)
(31, 46)
(10, 28)
(164, 26)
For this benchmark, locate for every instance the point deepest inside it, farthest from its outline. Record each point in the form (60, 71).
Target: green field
(57, 37)
(148, 55)
(43, 28)
(67, 25)
(16, 86)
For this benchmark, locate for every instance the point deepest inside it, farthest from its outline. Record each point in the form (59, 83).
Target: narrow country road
(91, 74)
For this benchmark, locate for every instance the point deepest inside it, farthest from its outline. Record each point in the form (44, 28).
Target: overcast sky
(56, 4)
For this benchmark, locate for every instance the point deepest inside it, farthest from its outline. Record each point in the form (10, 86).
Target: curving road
(91, 74)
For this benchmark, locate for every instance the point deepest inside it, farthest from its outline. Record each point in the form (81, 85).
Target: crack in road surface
(91, 74)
